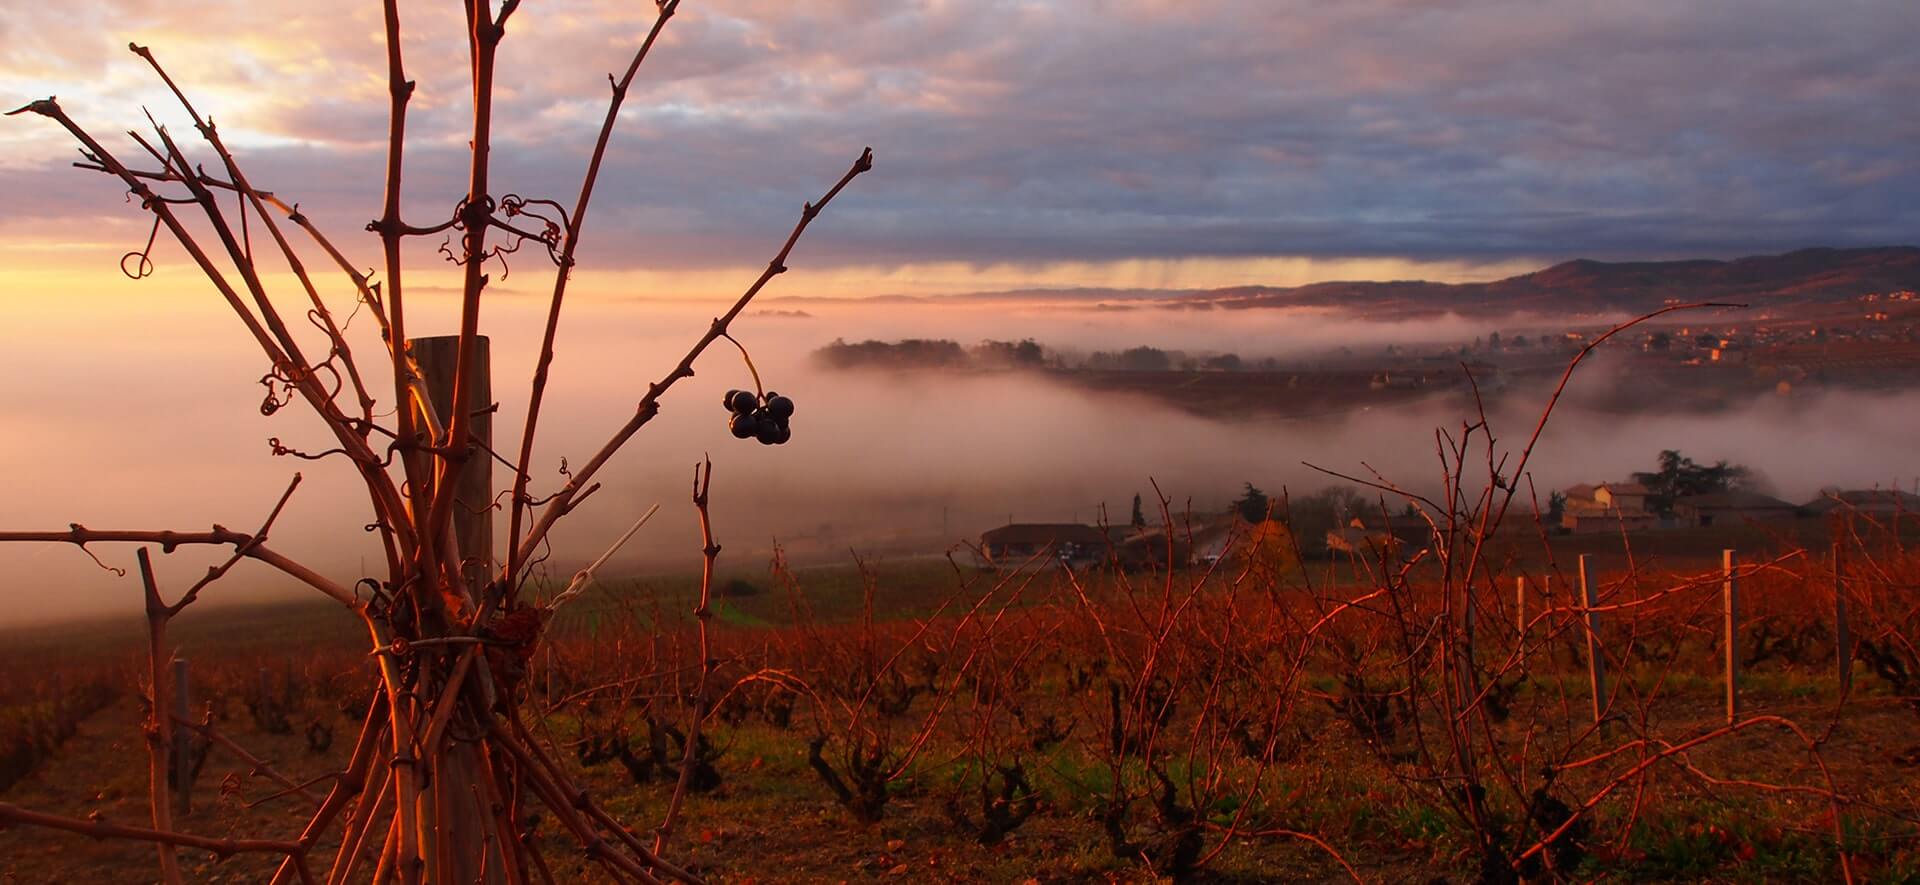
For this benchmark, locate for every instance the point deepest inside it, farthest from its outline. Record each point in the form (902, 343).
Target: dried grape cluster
(760, 417)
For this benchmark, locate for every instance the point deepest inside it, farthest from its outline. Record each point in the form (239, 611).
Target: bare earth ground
(772, 822)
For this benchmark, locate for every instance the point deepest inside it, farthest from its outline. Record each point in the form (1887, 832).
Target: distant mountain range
(1585, 286)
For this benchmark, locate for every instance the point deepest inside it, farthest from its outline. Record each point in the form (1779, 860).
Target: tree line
(941, 353)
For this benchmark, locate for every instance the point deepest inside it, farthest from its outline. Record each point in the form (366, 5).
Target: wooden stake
(551, 686)
(1596, 659)
(473, 499)
(1520, 606)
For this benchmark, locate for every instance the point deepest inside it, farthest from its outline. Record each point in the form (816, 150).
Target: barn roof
(1867, 501)
(1736, 500)
(1043, 533)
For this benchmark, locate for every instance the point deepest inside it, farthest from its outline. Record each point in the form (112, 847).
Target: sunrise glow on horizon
(1192, 146)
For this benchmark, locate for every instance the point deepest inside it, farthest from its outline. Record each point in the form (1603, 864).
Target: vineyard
(1469, 707)
(1246, 722)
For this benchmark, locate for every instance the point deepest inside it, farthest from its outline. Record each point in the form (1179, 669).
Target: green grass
(754, 598)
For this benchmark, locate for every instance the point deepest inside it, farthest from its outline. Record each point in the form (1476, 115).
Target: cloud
(1073, 130)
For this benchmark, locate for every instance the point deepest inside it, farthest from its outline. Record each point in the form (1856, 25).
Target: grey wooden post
(1842, 637)
(182, 741)
(1596, 658)
(473, 496)
(438, 358)
(550, 679)
(1520, 606)
(1730, 593)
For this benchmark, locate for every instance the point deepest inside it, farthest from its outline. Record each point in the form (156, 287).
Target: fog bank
(145, 415)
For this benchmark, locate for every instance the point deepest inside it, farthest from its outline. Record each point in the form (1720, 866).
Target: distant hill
(1807, 275)
(1580, 286)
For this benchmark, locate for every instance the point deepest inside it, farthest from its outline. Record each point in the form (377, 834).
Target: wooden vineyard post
(1520, 606)
(1842, 637)
(473, 500)
(182, 741)
(1730, 597)
(1596, 659)
(478, 858)
(552, 687)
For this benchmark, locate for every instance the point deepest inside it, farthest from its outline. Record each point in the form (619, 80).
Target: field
(1458, 696)
(1256, 722)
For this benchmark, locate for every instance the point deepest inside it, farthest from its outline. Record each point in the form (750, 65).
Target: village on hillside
(1584, 509)
(1793, 352)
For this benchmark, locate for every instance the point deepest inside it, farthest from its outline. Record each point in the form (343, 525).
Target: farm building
(1196, 539)
(1623, 496)
(1731, 508)
(1378, 535)
(1586, 522)
(1070, 542)
(1868, 502)
(1607, 507)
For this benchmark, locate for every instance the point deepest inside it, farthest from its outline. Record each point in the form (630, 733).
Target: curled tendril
(117, 572)
(144, 267)
(370, 296)
(279, 392)
(552, 232)
(501, 251)
(318, 321)
(377, 599)
(339, 383)
(563, 469)
(280, 385)
(531, 501)
(546, 553)
(280, 450)
(497, 252)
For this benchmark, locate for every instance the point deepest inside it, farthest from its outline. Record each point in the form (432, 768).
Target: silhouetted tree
(1144, 359)
(1023, 353)
(1679, 476)
(1252, 505)
(907, 354)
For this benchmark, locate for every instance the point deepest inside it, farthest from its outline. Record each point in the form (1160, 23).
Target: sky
(1067, 142)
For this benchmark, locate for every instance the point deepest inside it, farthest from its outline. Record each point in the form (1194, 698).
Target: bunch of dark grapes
(762, 418)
